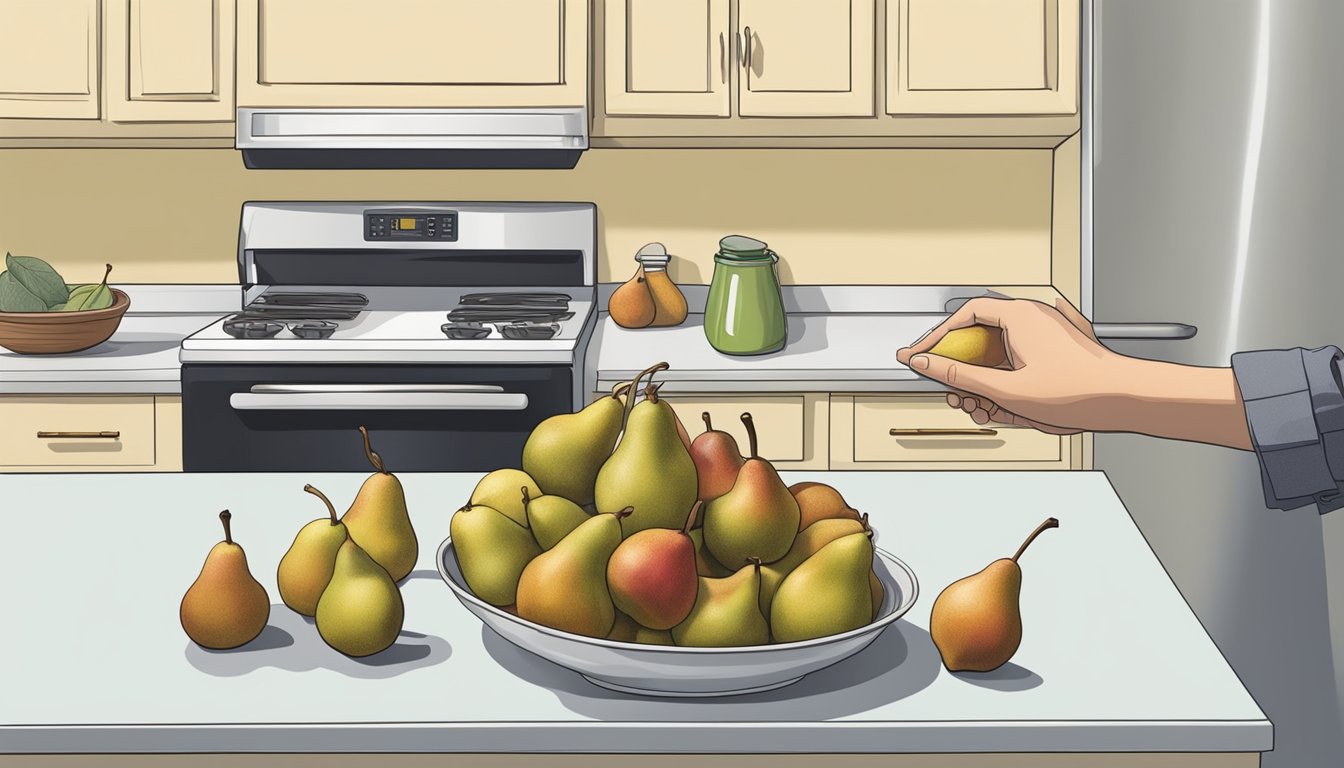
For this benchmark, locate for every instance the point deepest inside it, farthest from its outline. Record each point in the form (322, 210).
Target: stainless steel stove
(448, 329)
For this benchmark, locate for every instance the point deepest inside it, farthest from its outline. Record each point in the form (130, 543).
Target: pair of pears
(343, 572)
(749, 511)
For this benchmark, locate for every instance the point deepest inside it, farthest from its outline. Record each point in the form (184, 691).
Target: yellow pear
(306, 568)
(378, 519)
(976, 344)
(499, 491)
(360, 612)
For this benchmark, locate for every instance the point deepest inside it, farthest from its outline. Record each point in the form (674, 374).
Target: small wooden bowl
(53, 333)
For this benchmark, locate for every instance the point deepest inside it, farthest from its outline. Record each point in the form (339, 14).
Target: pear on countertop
(225, 607)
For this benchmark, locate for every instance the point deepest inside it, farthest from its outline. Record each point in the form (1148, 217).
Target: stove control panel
(410, 225)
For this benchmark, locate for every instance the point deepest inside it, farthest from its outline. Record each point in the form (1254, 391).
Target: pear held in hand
(492, 550)
(565, 587)
(225, 607)
(652, 575)
(565, 452)
(976, 344)
(378, 520)
(757, 518)
(306, 568)
(977, 621)
(360, 612)
(717, 460)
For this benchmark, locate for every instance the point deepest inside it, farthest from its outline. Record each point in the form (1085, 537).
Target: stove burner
(553, 300)
(313, 329)
(465, 330)
(294, 305)
(526, 308)
(529, 330)
(249, 328)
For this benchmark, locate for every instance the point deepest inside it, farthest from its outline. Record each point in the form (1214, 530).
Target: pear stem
(624, 513)
(620, 389)
(527, 498)
(709, 426)
(756, 561)
(374, 459)
(690, 519)
(651, 392)
(331, 510)
(224, 518)
(630, 403)
(1049, 523)
(751, 434)
(105, 274)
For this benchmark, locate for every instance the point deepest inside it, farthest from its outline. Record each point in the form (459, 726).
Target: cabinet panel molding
(170, 60)
(49, 59)
(667, 58)
(806, 58)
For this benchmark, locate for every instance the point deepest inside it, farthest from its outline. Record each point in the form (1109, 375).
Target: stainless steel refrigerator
(1217, 199)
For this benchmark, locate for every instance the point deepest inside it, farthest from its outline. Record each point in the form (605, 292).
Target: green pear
(627, 630)
(757, 518)
(651, 470)
(565, 587)
(492, 550)
(976, 622)
(551, 517)
(565, 452)
(808, 541)
(727, 612)
(360, 612)
(827, 594)
(225, 607)
(705, 564)
(306, 568)
(378, 519)
(499, 490)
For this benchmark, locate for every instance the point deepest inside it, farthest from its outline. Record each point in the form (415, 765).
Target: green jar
(745, 311)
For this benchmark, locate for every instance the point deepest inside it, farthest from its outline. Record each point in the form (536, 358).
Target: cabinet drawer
(780, 421)
(68, 426)
(875, 417)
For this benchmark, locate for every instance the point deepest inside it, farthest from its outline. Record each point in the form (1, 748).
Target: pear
(705, 564)
(757, 518)
(378, 520)
(727, 612)
(627, 630)
(631, 305)
(650, 470)
(306, 568)
(976, 344)
(225, 607)
(360, 612)
(826, 595)
(818, 501)
(565, 451)
(878, 592)
(976, 621)
(551, 517)
(565, 587)
(492, 551)
(499, 490)
(809, 540)
(717, 460)
(652, 575)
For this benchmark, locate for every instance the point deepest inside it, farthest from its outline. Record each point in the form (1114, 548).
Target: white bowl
(659, 670)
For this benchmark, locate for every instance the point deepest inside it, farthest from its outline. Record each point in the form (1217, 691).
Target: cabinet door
(410, 53)
(49, 58)
(992, 57)
(667, 57)
(806, 58)
(169, 60)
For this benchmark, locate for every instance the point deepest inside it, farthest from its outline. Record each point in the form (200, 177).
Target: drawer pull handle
(81, 435)
(943, 432)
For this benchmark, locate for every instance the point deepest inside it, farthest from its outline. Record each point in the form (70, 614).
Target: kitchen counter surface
(140, 358)
(1112, 659)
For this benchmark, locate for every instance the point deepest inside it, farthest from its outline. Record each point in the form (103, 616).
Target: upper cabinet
(806, 58)
(667, 57)
(996, 57)
(169, 60)
(49, 59)
(410, 53)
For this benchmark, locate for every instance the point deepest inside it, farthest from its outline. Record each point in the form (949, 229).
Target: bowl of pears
(654, 564)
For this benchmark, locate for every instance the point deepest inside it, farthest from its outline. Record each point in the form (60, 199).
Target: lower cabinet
(791, 429)
(99, 433)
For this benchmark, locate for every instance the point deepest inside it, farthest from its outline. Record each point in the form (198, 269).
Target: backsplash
(834, 216)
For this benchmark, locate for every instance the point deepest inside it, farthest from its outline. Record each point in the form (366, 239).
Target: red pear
(717, 460)
(652, 575)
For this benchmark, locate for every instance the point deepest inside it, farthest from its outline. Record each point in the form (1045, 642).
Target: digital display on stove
(410, 225)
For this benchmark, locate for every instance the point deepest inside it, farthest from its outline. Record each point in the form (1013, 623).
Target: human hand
(1056, 376)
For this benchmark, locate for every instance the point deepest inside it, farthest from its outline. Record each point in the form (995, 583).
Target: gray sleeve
(1295, 409)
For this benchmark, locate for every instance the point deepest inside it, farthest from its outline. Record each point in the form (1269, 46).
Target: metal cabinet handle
(1144, 330)
(929, 432)
(110, 435)
(746, 61)
(723, 59)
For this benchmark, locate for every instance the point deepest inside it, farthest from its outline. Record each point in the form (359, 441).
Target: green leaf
(39, 278)
(16, 298)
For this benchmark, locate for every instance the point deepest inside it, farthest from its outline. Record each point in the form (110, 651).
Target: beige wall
(835, 216)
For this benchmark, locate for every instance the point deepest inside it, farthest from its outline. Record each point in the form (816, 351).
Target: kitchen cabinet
(668, 58)
(791, 428)
(71, 433)
(49, 59)
(407, 53)
(989, 57)
(806, 58)
(169, 60)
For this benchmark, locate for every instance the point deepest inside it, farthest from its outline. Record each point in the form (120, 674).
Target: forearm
(1175, 401)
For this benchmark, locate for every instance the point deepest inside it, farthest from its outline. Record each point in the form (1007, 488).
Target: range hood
(412, 138)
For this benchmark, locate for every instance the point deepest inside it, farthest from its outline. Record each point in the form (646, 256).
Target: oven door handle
(375, 400)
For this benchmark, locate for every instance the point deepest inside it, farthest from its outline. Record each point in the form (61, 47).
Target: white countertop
(1112, 658)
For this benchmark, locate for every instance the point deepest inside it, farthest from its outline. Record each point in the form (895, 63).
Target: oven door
(433, 418)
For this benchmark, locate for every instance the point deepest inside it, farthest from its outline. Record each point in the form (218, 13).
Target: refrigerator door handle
(1151, 331)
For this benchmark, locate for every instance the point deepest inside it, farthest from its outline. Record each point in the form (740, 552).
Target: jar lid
(743, 247)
